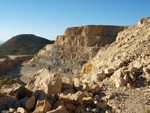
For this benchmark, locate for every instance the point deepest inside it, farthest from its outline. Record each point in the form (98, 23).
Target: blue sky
(49, 18)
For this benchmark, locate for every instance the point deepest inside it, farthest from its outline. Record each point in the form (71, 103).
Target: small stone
(12, 110)
(101, 105)
(87, 100)
(126, 77)
(107, 97)
(95, 110)
(120, 82)
(70, 107)
(60, 109)
(107, 111)
(42, 106)
(132, 78)
(58, 103)
(88, 109)
(117, 111)
(21, 110)
(77, 82)
(109, 71)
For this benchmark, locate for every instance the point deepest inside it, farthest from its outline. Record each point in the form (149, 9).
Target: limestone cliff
(94, 30)
(89, 35)
(77, 46)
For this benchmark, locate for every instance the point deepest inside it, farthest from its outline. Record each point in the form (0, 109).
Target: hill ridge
(24, 44)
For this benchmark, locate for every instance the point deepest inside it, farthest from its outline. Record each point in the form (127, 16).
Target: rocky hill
(23, 44)
(73, 49)
(115, 80)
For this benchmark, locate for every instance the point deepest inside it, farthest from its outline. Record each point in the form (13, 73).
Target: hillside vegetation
(23, 44)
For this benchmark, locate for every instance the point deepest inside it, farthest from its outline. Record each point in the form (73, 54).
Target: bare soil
(23, 71)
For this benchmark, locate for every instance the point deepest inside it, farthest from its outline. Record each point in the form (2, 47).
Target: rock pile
(125, 60)
(52, 94)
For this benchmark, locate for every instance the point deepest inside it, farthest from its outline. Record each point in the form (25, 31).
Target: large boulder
(66, 83)
(42, 106)
(72, 98)
(49, 82)
(39, 95)
(17, 90)
(6, 102)
(30, 103)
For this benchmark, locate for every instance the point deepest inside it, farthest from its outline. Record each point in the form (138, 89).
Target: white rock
(21, 110)
(49, 82)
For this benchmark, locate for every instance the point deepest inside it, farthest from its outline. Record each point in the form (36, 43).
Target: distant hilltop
(23, 44)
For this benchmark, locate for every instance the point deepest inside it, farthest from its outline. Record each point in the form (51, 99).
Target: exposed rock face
(86, 41)
(94, 30)
(90, 35)
(77, 46)
(49, 82)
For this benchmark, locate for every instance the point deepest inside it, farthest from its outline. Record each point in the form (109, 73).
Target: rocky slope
(125, 63)
(73, 49)
(23, 44)
(116, 80)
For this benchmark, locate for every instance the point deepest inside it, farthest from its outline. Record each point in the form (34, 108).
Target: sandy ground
(23, 71)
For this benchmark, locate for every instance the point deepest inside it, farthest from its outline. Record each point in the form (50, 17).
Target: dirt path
(23, 71)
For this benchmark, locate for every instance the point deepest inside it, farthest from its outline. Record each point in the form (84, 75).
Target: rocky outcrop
(94, 30)
(86, 41)
(77, 46)
(90, 35)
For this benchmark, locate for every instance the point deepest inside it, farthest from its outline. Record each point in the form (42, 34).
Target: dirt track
(23, 71)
